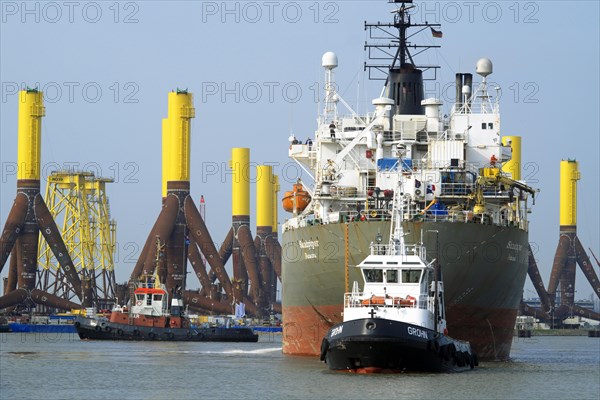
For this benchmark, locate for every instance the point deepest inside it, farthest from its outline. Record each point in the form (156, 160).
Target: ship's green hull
(484, 269)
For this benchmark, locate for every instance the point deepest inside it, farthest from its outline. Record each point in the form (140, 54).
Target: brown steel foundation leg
(50, 300)
(560, 259)
(536, 279)
(176, 260)
(586, 266)
(585, 313)
(11, 283)
(198, 265)
(249, 256)
(51, 233)
(567, 282)
(273, 249)
(238, 282)
(265, 286)
(164, 226)
(277, 308)
(139, 265)
(194, 300)
(13, 298)
(226, 247)
(12, 227)
(524, 309)
(202, 237)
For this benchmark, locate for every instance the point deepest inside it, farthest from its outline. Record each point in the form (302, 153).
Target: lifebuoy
(151, 335)
(139, 303)
(418, 192)
(120, 332)
(107, 329)
(136, 332)
(188, 334)
(97, 328)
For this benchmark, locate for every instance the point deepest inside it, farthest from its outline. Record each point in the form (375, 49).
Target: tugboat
(149, 318)
(397, 323)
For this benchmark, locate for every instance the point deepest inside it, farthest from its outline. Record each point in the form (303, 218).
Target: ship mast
(379, 52)
(392, 55)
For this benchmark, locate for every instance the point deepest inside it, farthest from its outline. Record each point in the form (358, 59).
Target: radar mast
(391, 57)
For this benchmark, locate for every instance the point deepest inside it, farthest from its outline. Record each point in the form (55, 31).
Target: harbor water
(60, 366)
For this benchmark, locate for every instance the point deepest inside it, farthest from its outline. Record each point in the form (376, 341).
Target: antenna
(330, 62)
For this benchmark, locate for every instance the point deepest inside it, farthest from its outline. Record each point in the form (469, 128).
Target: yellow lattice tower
(80, 207)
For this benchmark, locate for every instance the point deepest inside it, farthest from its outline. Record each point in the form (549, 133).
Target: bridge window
(374, 275)
(411, 275)
(158, 297)
(139, 297)
(149, 300)
(391, 276)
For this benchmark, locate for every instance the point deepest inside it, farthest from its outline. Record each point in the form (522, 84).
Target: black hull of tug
(105, 330)
(380, 345)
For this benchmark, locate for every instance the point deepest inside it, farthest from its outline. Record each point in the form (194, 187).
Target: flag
(436, 34)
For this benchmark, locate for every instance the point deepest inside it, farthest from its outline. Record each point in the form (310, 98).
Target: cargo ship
(461, 185)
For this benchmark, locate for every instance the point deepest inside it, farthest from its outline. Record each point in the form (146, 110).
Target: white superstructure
(450, 167)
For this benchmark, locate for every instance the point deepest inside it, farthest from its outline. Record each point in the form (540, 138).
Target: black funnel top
(405, 87)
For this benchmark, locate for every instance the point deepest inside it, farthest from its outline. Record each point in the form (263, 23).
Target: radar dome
(330, 60)
(484, 67)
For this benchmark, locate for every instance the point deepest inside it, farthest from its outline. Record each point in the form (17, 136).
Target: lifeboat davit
(297, 198)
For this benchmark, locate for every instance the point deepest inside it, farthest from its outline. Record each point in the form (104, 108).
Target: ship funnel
(405, 87)
(464, 85)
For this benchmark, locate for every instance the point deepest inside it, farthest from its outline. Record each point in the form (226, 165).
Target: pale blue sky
(545, 55)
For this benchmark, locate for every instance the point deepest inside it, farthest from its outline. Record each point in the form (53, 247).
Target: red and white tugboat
(397, 323)
(149, 318)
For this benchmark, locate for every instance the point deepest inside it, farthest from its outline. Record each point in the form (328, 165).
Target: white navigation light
(484, 67)
(330, 60)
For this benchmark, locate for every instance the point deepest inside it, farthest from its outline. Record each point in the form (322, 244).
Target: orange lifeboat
(297, 198)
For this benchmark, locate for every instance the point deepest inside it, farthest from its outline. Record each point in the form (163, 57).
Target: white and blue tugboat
(397, 323)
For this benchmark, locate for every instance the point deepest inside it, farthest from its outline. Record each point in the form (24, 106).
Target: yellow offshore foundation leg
(240, 182)
(31, 111)
(264, 228)
(569, 175)
(264, 196)
(176, 138)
